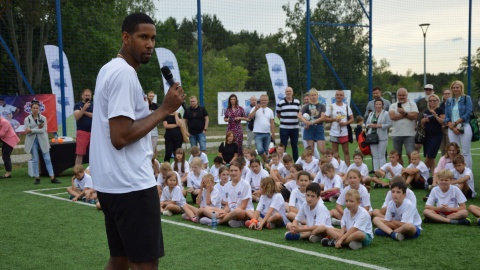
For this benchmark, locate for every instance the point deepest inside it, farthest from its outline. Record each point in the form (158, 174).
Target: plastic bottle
(56, 138)
(214, 220)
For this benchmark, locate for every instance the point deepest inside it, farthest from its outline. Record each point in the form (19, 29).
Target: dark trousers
(172, 143)
(6, 152)
(293, 135)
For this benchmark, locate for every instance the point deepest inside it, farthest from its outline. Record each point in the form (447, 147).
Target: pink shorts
(83, 140)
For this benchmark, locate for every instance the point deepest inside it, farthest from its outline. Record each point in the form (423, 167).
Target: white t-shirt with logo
(361, 220)
(314, 217)
(397, 170)
(364, 197)
(470, 182)
(452, 198)
(176, 195)
(262, 120)
(85, 182)
(254, 179)
(335, 111)
(276, 202)
(234, 195)
(424, 171)
(406, 213)
(195, 181)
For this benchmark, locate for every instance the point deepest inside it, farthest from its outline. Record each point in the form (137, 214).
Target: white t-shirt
(297, 198)
(214, 171)
(279, 167)
(397, 170)
(291, 185)
(406, 213)
(404, 126)
(215, 198)
(161, 181)
(362, 168)
(254, 179)
(202, 156)
(262, 120)
(221, 191)
(364, 197)
(176, 196)
(424, 171)
(319, 178)
(234, 195)
(276, 202)
(452, 198)
(335, 111)
(119, 93)
(312, 166)
(6, 109)
(342, 167)
(314, 217)
(245, 171)
(470, 182)
(179, 166)
(361, 220)
(195, 181)
(336, 182)
(283, 171)
(410, 196)
(85, 182)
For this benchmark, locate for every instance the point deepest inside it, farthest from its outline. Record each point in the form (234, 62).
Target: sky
(397, 36)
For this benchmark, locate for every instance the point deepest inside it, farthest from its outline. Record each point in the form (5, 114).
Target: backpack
(473, 124)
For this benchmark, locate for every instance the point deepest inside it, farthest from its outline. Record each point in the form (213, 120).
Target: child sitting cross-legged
(463, 177)
(81, 182)
(388, 198)
(209, 197)
(297, 197)
(417, 173)
(388, 170)
(172, 199)
(331, 183)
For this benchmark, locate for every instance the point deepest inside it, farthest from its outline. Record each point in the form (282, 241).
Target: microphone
(167, 75)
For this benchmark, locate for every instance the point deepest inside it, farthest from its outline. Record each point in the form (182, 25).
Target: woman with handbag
(173, 134)
(432, 125)
(457, 117)
(378, 123)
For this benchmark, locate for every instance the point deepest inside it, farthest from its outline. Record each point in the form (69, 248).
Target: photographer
(83, 112)
(36, 136)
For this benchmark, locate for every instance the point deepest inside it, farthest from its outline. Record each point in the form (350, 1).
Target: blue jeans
(293, 135)
(262, 141)
(46, 158)
(199, 139)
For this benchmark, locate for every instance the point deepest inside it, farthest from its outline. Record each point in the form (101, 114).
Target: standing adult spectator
(287, 112)
(234, 114)
(314, 130)
(447, 93)
(376, 93)
(83, 112)
(457, 117)
(340, 115)
(264, 127)
(378, 122)
(36, 137)
(432, 123)
(173, 134)
(9, 139)
(196, 119)
(422, 105)
(152, 106)
(248, 109)
(121, 150)
(5, 109)
(403, 114)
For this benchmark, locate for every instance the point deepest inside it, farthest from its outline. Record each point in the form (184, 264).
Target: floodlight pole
(424, 31)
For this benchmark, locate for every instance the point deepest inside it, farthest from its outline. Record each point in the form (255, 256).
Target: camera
(87, 100)
(41, 121)
(399, 105)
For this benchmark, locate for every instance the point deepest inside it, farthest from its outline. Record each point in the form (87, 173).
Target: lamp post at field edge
(424, 31)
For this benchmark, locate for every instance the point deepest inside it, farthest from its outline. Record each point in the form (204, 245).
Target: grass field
(41, 229)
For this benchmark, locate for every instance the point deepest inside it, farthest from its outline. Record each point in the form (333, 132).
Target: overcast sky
(396, 34)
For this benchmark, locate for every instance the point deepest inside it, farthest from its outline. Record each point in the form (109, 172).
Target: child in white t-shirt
(275, 165)
(342, 166)
(195, 152)
(417, 173)
(361, 167)
(385, 174)
(209, 197)
(180, 165)
(254, 177)
(331, 185)
(281, 175)
(172, 200)
(388, 198)
(463, 177)
(81, 182)
(330, 156)
(194, 178)
(217, 163)
(297, 196)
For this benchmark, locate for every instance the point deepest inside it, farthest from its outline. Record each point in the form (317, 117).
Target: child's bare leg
(249, 214)
(408, 179)
(191, 211)
(380, 212)
(291, 215)
(458, 215)
(475, 210)
(237, 214)
(336, 214)
(358, 236)
(276, 219)
(174, 208)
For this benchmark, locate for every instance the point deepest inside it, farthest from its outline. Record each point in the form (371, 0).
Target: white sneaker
(186, 217)
(236, 223)
(335, 222)
(314, 239)
(206, 221)
(355, 245)
(332, 199)
(167, 213)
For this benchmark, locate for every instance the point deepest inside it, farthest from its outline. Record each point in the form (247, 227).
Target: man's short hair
(400, 185)
(376, 88)
(315, 188)
(131, 22)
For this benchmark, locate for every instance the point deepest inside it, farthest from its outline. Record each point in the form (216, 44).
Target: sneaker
(167, 213)
(271, 225)
(464, 221)
(292, 236)
(376, 185)
(379, 232)
(55, 181)
(206, 221)
(37, 181)
(71, 197)
(236, 223)
(186, 217)
(92, 201)
(314, 239)
(194, 219)
(332, 199)
(355, 245)
(397, 236)
(328, 242)
(335, 222)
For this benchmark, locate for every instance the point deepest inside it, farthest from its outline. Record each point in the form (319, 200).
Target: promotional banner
(278, 75)
(243, 101)
(167, 58)
(51, 52)
(16, 108)
(327, 97)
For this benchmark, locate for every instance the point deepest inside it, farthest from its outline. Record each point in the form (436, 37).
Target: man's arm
(82, 111)
(207, 120)
(124, 131)
(272, 129)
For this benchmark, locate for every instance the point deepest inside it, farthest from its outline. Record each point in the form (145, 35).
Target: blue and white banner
(167, 58)
(51, 52)
(243, 101)
(327, 97)
(278, 75)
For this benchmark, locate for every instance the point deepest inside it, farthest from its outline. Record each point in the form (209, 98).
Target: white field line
(299, 250)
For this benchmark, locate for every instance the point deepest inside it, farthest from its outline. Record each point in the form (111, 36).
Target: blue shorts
(368, 240)
(417, 233)
(314, 133)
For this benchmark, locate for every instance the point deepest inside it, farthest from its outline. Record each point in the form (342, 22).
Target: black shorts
(133, 225)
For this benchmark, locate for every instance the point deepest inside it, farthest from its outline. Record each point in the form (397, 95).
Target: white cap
(428, 86)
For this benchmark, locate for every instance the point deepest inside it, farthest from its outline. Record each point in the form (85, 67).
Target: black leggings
(6, 152)
(172, 143)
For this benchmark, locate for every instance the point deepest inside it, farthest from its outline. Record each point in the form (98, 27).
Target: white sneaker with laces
(236, 223)
(206, 221)
(355, 245)
(167, 213)
(335, 222)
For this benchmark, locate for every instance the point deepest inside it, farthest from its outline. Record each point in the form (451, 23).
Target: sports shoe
(355, 245)
(379, 232)
(328, 242)
(478, 221)
(271, 225)
(71, 197)
(186, 217)
(464, 221)
(55, 181)
(37, 181)
(314, 238)
(332, 199)
(206, 221)
(167, 213)
(397, 236)
(376, 185)
(335, 222)
(292, 236)
(236, 223)
(92, 201)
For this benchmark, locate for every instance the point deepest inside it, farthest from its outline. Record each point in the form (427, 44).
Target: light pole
(424, 31)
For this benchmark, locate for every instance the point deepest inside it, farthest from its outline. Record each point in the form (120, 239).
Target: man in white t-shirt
(121, 151)
(5, 109)
(403, 114)
(264, 127)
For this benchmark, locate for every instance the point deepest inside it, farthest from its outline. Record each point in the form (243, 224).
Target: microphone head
(166, 73)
